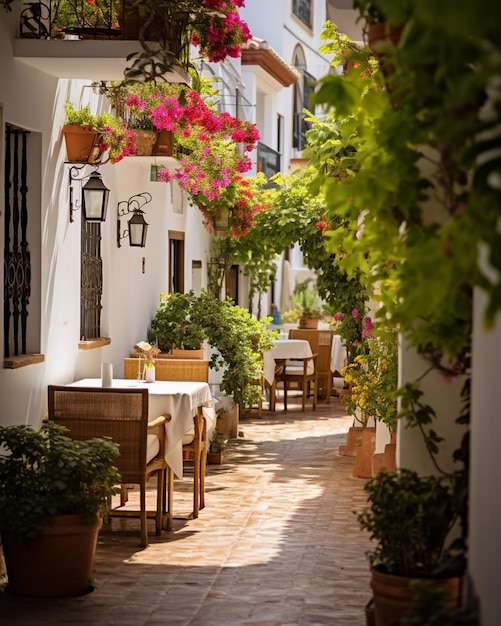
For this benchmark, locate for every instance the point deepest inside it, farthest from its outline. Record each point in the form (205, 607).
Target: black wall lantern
(137, 225)
(95, 195)
(222, 221)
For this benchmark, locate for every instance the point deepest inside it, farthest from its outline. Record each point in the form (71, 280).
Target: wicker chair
(321, 343)
(195, 452)
(121, 414)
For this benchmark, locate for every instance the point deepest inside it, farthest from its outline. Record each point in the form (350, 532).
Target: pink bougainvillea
(215, 147)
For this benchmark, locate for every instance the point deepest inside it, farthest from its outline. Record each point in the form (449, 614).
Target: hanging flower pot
(163, 145)
(82, 143)
(145, 140)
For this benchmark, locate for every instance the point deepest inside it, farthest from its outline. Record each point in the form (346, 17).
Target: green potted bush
(174, 327)
(238, 338)
(54, 493)
(410, 518)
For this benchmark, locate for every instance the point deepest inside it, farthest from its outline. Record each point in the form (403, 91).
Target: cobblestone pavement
(277, 543)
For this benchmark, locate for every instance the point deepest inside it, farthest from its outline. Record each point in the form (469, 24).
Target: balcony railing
(268, 161)
(102, 19)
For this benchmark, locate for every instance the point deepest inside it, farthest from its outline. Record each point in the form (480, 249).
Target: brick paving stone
(276, 545)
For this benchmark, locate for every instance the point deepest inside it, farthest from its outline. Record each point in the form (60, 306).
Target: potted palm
(410, 518)
(53, 495)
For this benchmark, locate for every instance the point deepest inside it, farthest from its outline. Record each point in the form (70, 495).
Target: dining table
(181, 399)
(284, 349)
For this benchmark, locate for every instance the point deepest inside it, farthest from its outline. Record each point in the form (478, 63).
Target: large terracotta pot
(58, 563)
(393, 595)
(353, 441)
(362, 467)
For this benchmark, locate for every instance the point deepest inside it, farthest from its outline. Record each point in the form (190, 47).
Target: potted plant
(95, 134)
(238, 338)
(373, 381)
(410, 518)
(218, 31)
(54, 493)
(173, 327)
(148, 354)
(216, 446)
(306, 298)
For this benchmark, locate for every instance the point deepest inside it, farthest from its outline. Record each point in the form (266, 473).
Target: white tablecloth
(285, 349)
(338, 354)
(180, 399)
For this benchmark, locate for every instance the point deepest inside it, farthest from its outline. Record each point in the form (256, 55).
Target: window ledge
(22, 360)
(90, 344)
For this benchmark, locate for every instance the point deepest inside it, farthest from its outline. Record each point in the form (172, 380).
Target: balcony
(268, 162)
(75, 39)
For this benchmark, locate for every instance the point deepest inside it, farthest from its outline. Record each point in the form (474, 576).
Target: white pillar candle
(106, 374)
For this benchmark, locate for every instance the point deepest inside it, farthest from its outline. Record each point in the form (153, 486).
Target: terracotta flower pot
(393, 595)
(58, 563)
(82, 143)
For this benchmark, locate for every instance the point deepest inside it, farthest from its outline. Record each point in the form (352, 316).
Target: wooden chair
(295, 371)
(195, 451)
(196, 370)
(321, 343)
(121, 414)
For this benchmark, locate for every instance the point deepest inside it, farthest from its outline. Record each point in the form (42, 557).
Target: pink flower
(338, 317)
(355, 313)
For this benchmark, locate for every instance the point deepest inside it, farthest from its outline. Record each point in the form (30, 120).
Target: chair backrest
(320, 342)
(121, 414)
(195, 370)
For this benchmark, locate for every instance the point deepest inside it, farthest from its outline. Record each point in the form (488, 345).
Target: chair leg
(124, 495)
(168, 497)
(196, 486)
(329, 387)
(306, 386)
(143, 517)
(203, 465)
(160, 502)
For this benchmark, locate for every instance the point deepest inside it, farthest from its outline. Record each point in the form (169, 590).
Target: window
(176, 262)
(18, 276)
(302, 10)
(302, 100)
(232, 283)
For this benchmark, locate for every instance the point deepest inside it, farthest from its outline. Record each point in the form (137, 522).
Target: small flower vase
(149, 373)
